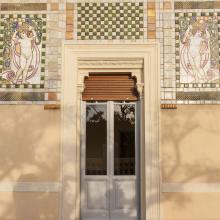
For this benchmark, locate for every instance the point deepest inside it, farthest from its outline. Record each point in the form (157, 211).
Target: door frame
(142, 60)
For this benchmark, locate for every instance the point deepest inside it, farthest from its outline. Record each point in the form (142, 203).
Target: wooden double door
(109, 161)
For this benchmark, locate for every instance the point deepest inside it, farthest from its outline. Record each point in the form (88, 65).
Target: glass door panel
(96, 139)
(124, 139)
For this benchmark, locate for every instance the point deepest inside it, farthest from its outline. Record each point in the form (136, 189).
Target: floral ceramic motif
(199, 58)
(22, 50)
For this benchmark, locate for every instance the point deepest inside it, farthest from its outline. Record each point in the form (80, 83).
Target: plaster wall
(190, 163)
(29, 144)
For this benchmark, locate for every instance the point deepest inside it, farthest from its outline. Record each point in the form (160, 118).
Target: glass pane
(124, 139)
(96, 140)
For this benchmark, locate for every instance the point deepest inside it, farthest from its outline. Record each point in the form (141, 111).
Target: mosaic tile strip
(22, 50)
(110, 20)
(197, 5)
(168, 106)
(197, 50)
(21, 96)
(69, 20)
(151, 20)
(23, 7)
(198, 96)
(52, 107)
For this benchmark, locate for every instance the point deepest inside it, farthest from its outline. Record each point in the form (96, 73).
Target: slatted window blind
(108, 86)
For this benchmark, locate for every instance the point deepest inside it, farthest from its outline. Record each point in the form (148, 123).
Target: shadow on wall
(30, 152)
(190, 148)
(29, 149)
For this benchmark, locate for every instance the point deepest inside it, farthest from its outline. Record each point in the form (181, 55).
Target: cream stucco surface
(190, 206)
(190, 144)
(29, 206)
(29, 144)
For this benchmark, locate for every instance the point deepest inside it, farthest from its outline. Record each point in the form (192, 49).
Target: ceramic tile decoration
(197, 49)
(22, 96)
(110, 20)
(22, 46)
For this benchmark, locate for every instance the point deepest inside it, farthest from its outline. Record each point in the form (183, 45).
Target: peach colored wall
(190, 144)
(190, 149)
(29, 206)
(191, 206)
(30, 151)
(29, 143)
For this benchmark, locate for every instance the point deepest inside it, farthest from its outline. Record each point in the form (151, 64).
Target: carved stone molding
(30, 187)
(140, 89)
(111, 63)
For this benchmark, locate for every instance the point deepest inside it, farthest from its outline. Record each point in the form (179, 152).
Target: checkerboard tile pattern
(5, 36)
(110, 20)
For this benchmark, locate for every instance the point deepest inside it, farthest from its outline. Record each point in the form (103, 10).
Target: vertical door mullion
(111, 155)
(137, 158)
(111, 138)
(83, 138)
(83, 153)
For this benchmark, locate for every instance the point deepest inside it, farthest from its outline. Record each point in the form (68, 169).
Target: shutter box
(110, 86)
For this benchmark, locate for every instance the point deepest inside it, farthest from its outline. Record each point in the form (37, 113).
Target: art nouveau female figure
(195, 53)
(26, 34)
(24, 55)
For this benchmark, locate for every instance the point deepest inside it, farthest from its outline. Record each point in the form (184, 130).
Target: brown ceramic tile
(69, 28)
(216, 5)
(168, 106)
(167, 5)
(151, 20)
(52, 96)
(69, 35)
(151, 13)
(151, 27)
(151, 35)
(54, 6)
(69, 20)
(24, 7)
(151, 5)
(69, 6)
(51, 107)
(69, 13)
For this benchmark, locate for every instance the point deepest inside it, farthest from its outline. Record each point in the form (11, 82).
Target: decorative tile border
(69, 20)
(197, 5)
(52, 107)
(21, 96)
(107, 21)
(23, 7)
(198, 96)
(151, 20)
(168, 106)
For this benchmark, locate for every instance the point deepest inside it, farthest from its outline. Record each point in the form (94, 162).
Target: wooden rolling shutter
(108, 86)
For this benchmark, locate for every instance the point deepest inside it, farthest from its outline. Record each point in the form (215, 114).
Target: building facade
(109, 110)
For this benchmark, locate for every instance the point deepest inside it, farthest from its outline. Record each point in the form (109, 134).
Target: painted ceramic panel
(22, 51)
(197, 49)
